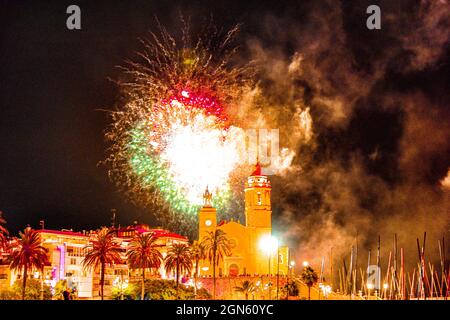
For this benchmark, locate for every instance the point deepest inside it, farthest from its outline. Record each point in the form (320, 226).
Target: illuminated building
(165, 239)
(252, 252)
(66, 251)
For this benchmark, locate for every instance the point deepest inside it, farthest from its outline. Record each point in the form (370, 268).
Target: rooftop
(62, 232)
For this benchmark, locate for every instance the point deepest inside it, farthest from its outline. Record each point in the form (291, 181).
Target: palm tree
(3, 232)
(216, 245)
(103, 250)
(310, 278)
(198, 254)
(291, 289)
(178, 259)
(246, 288)
(142, 253)
(28, 254)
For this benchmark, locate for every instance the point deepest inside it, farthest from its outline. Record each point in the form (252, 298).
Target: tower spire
(207, 197)
(257, 171)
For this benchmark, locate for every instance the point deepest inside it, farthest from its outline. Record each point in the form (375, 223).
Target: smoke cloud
(371, 137)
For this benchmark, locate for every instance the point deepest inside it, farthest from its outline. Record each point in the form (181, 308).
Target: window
(75, 251)
(259, 198)
(73, 261)
(120, 272)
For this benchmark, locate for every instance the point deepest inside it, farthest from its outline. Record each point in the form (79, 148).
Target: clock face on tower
(208, 223)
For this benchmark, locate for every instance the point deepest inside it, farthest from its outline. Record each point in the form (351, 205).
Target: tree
(178, 259)
(216, 245)
(198, 254)
(310, 278)
(28, 254)
(291, 288)
(3, 232)
(103, 250)
(143, 254)
(247, 287)
(129, 292)
(35, 290)
(58, 290)
(162, 289)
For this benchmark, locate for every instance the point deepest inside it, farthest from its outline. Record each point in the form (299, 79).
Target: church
(253, 249)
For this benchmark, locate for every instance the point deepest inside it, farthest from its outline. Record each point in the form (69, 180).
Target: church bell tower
(258, 210)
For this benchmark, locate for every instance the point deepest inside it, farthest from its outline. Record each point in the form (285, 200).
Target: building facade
(67, 249)
(165, 239)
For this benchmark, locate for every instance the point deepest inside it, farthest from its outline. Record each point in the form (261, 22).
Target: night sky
(54, 84)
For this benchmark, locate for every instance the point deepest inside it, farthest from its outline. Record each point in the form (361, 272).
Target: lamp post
(289, 277)
(269, 244)
(278, 271)
(385, 287)
(269, 273)
(369, 287)
(291, 267)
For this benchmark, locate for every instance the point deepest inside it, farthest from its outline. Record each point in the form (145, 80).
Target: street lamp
(385, 287)
(305, 263)
(278, 271)
(290, 272)
(291, 267)
(269, 244)
(369, 287)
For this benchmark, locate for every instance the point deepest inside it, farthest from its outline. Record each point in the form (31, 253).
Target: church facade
(252, 249)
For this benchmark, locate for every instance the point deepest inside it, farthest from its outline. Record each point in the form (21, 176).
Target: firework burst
(173, 136)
